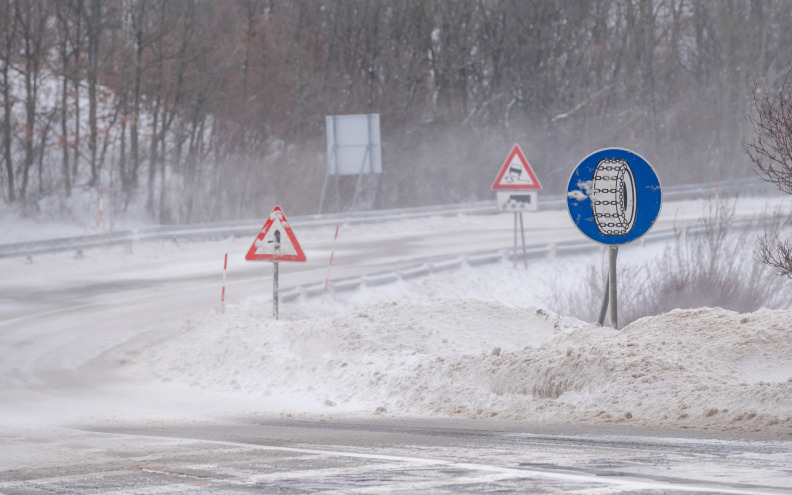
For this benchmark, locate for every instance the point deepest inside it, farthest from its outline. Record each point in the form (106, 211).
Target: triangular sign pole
(516, 173)
(276, 242)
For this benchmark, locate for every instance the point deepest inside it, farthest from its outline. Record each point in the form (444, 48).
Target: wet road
(389, 456)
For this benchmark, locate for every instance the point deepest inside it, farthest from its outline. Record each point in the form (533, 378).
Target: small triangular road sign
(276, 241)
(516, 173)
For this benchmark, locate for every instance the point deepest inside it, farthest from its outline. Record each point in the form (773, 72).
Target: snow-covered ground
(477, 343)
(474, 342)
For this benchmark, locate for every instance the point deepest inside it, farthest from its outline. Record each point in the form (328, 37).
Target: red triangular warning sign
(276, 241)
(516, 173)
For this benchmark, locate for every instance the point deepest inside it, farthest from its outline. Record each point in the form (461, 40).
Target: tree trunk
(127, 36)
(153, 156)
(94, 32)
(159, 53)
(31, 62)
(63, 22)
(133, 128)
(76, 79)
(7, 105)
(42, 147)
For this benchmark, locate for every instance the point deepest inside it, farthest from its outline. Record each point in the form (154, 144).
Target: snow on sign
(276, 241)
(614, 196)
(516, 173)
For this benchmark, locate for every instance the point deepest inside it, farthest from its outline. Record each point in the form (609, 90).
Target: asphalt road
(389, 456)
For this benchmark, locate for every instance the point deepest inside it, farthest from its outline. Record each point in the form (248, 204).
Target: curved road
(65, 427)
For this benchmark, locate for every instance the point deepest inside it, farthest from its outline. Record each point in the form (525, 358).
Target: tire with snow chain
(613, 200)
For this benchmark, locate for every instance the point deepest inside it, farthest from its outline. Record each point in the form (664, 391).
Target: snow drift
(707, 369)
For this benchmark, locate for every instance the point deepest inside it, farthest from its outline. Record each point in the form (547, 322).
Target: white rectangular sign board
(353, 144)
(517, 200)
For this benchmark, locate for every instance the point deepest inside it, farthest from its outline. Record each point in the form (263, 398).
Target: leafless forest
(196, 110)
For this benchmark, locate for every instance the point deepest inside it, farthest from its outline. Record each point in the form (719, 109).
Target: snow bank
(700, 369)
(403, 354)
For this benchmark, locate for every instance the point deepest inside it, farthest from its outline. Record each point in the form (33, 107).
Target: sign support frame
(514, 259)
(275, 294)
(614, 251)
(519, 215)
(611, 296)
(522, 232)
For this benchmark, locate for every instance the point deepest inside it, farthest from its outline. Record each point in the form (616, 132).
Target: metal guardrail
(230, 229)
(251, 227)
(433, 265)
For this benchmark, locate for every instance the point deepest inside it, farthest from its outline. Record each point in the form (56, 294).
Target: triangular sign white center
(516, 173)
(276, 241)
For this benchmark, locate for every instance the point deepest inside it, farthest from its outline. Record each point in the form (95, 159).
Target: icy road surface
(385, 456)
(117, 374)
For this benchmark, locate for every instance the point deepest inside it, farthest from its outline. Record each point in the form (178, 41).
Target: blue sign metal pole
(605, 302)
(614, 319)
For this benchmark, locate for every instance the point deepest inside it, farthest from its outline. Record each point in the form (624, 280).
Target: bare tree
(140, 18)
(9, 26)
(225, 101)
(64, 28)
(771, 153)
(93, 18)
(32, 16)
(174, 93)
(77, 54)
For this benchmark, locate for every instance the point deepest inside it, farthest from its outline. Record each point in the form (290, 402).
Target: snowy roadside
(471, 342)
(477, 343)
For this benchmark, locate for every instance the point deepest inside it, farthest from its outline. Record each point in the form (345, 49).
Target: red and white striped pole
(330, 266)
(222, 294)
(101, 209)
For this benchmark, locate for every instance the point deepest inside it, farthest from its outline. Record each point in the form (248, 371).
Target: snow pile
(479, 357)
(701, 369)
(381, 355)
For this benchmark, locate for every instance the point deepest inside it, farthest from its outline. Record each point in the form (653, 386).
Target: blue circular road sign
(614, 196)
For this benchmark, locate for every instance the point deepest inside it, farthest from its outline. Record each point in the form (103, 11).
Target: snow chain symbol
(613, 197)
